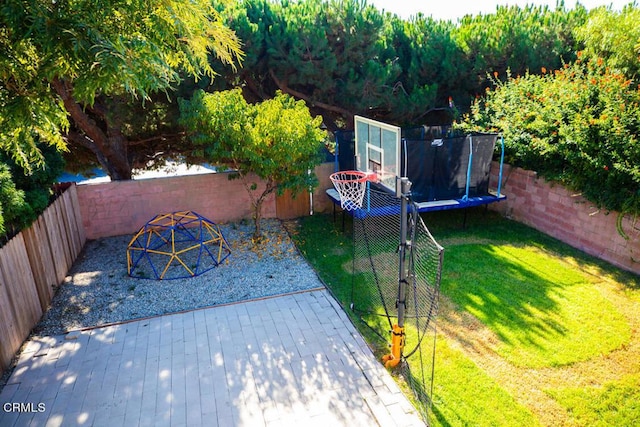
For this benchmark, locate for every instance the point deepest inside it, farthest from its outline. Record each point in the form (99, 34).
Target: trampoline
(446, 173)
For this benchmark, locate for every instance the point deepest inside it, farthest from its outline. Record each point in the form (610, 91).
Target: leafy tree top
(614, 36)
(55, 55)
(277, 140)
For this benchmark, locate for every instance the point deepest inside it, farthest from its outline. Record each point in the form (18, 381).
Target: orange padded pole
(397, 345)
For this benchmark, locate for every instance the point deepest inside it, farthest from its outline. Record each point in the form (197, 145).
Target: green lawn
(545, 312)
(613, 404)
(531, 331)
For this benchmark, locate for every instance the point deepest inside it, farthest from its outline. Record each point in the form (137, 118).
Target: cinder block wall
(117, 208)
(122, 207)
(567, 216)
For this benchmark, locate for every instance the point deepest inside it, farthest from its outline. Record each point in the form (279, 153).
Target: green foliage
(517, 39)
(345, 57)
(12, 203)
(333, 54)
(28, 113)
(277, 139)
(58, 59)
(615, 404)
(342, 57)
(218, 123)
(26, 195)
(121, 62)
(545, 313)
(286, 143)
(615, 37)
(37, 185)
(578, 125)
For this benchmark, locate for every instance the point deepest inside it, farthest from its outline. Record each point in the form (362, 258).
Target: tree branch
(82, 140)
(80, 118)
(102, 144)
(285, 88)
(162, 137)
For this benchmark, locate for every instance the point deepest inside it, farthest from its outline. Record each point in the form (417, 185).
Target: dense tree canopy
(344, 57)
(518, 40)
(23, 197)
(614, 36)
(103, 82)
(65, 68)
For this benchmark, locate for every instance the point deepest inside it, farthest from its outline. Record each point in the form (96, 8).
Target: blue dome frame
(176, 245)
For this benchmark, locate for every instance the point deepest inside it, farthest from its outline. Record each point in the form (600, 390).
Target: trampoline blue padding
(443, 205)
(431, 206)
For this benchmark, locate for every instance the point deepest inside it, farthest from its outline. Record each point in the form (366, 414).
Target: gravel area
(98, 290)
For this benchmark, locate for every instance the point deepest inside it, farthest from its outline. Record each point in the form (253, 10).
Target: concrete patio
(289, 360)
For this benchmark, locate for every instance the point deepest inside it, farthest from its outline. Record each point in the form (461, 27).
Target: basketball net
(351, 186)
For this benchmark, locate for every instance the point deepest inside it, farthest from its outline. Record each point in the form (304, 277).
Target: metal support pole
(405, 186)
(397, 333)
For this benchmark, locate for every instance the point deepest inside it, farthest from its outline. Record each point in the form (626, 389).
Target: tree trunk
(331, 109)
(106, 141)
(257, 218)
(257, 203)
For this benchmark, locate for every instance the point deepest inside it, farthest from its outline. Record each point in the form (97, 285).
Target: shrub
(25, 195)
(12, 203)
(614, 36)
(578, 125)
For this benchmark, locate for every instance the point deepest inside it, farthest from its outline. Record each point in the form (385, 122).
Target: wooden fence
(31, 265)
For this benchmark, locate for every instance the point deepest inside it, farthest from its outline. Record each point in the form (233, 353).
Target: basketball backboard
(378, 150)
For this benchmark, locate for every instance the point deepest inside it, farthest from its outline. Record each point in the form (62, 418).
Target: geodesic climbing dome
(176, 245)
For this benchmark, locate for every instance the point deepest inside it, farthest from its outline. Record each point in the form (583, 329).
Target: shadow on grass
(520, 302)
(534, 292)
(485, 225)
(501, 292)
(544, 311)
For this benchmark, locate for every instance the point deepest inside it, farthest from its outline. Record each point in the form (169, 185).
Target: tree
(64, 67)
(339, 56)
(514, 39)
(615, 37)
(344, 57)
(12, 203)
(36, 186)
(277, 140)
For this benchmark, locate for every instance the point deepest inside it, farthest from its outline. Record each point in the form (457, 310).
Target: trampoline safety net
(439, 169)
(449, 168)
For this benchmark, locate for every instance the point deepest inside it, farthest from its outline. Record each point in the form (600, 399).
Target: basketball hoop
(351, 186)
